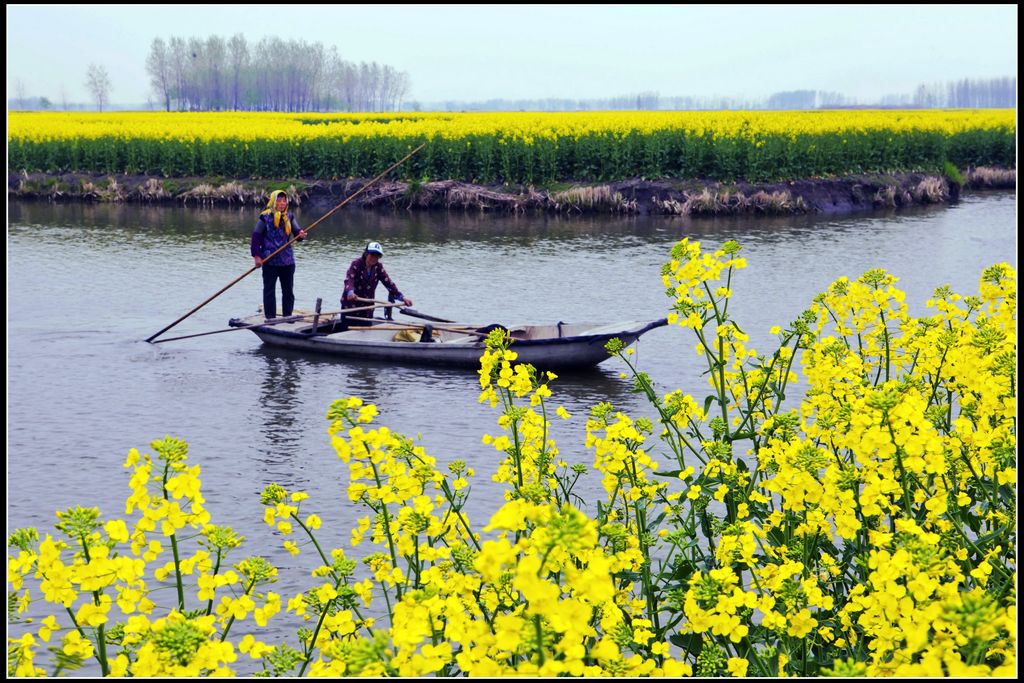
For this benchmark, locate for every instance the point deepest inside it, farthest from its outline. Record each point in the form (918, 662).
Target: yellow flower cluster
(897, 469)
(104, 588)
(538, 599)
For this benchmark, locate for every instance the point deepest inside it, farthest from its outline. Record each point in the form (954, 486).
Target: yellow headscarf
(277, 214)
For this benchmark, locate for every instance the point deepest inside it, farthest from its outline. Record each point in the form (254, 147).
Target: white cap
(375, 248)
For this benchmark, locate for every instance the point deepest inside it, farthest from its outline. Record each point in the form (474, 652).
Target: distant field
(513, 147)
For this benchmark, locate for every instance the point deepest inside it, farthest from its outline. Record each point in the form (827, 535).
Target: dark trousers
(270, 277)
(357, 319)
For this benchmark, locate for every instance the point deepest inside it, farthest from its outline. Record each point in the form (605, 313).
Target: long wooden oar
(471, 333)
(254, 268)
(408, 326)
(416, 314)
(410, 311)
(268, 323)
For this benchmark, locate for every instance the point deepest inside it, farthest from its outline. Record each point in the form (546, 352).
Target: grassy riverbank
(698, 197)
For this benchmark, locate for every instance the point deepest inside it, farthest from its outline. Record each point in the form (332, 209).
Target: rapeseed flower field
(511, 148)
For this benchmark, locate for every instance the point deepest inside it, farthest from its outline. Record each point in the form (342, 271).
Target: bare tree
(404, 84)
(179, 70)
(238, 55)
(394, 89)
(98, 83)
(216, 58)
(316, 65)
(271, 65)
(292, 84)
(332, 80)
(369, 78)
(196, 74)
(20, 94)
(261, 77)
(378, 85)
(158, 66)
(389, 78)
(350, 86)
(927, 96)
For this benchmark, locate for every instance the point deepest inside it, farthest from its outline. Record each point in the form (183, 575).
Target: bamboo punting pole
(277, 321)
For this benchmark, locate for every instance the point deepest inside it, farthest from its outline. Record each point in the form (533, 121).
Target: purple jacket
(266, 239)
(362, 280)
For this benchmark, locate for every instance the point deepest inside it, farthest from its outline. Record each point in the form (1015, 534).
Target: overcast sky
(468, 53)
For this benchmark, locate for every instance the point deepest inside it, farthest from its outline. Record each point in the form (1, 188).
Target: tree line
(278, 75)
(216, 74)
(967, 93)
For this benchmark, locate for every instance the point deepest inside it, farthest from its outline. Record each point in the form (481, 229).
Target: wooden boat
(565, 345)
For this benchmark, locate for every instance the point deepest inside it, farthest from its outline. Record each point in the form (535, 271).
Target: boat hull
(556, 353)
(575, 351)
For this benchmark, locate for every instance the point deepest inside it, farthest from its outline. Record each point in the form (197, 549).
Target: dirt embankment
(690, 198)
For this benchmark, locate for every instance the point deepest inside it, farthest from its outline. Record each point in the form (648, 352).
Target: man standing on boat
(273, 230)
(362, 278)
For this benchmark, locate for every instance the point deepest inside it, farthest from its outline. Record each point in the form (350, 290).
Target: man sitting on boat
(361, 283)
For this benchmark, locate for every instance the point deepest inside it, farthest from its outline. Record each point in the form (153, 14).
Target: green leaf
(690, 642)
(777, 536)
(681, 572)
(974, 522)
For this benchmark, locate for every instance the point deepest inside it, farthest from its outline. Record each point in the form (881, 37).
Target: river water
(86, 284)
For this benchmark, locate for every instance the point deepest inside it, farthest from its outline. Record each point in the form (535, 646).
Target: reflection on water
(279, 424)
(226, 224)
(86, 283)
